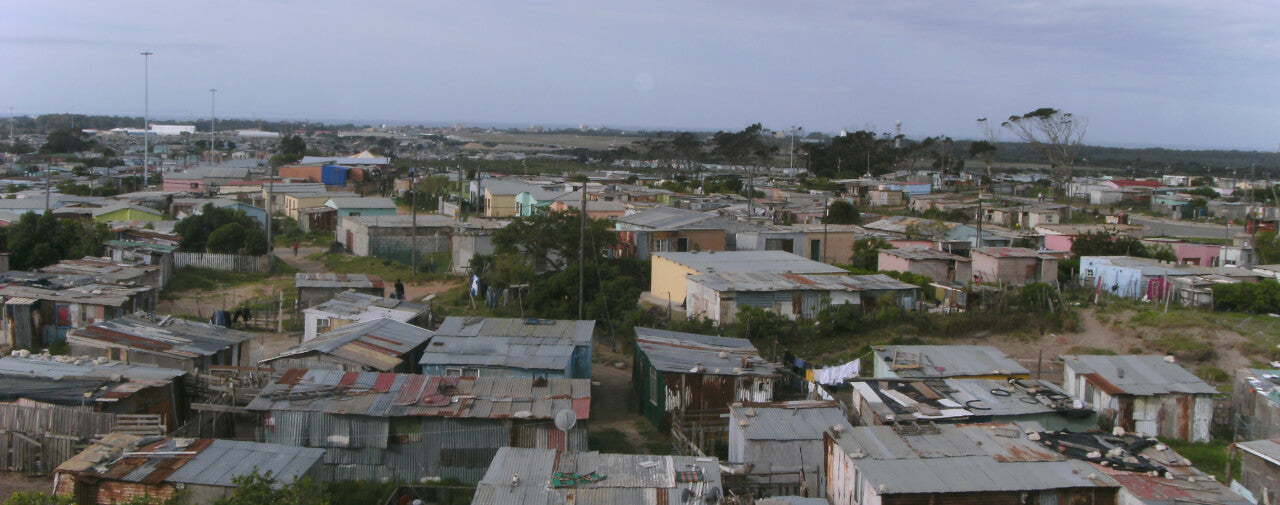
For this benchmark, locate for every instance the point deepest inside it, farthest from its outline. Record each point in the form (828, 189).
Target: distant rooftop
(749, 261)
(1136, 375)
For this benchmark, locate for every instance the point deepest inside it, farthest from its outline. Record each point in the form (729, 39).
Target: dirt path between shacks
(300, 261)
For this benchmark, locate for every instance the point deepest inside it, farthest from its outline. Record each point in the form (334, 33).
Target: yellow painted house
(126, 212)
(295, 203)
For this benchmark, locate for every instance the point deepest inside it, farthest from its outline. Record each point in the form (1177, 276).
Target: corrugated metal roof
(965, 459)
(81, 368)
(672, 351)
(950, 360)
(417, 395)
(749, 261)
(1265, 448)
(577, 332)
(328, 280)
(664, 218)
(203, 461)
(1011, 252)
(353, 306)
(179, 338)
(956, 400)
(1138, 375)
(534, 353)
(917, 254)
(380, 344)
(361, 202)
(802, 420)
(768, 282)
(630, 479)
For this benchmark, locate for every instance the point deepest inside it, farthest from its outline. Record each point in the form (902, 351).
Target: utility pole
(582, 254)
(413, 225)
(146, 113)
(213, 122)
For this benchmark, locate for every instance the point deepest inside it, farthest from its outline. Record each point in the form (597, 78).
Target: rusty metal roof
(178, 338)
(203, 461)
(397, 395)
(381, 344)
(519, 476)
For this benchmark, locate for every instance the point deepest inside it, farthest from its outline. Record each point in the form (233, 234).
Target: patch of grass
(656, 442)
(190, 278)
(1213, 374)
(609, 440)
(1184, 347)
(1080, 349)
(1181, 319)
(342, 263)
(1210, 457)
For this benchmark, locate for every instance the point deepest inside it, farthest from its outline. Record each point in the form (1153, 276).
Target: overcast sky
(1152, 73)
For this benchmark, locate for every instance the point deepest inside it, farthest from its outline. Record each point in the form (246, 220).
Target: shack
(686, 374)
(379, 345)
(39, 309)
(161, 341)
(317, 288)
(1147, 394)
(781, 443)
(408, 427)
(1149, 473)
(994, 464)
(349, 307)
(944, 361)
(544, 476)
(876, 402)
(1256, 398)
(472, 346)
(122, 467)
(50, 407)
(1260, 469)
(720, 296)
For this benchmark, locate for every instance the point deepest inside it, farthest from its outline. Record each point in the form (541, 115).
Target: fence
(433, 252)
(35, 438)
(223, 262)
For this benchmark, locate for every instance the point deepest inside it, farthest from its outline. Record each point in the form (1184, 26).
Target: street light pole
(146, 113)
(213, 122)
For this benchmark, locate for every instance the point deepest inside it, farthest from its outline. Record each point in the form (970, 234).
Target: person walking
(295, 247)
(399, 290)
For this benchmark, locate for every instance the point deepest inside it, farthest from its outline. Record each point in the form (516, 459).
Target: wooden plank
(220, 408)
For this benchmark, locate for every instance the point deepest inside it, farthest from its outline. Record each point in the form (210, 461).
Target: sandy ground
(611, 395)
(1115, 337)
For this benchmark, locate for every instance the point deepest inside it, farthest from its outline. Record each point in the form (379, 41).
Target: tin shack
(407, 427)
(1147, 394)
(123, 467)
(780, 444)
(162, 341)
(349, 307)
(316, 288)
(544, 476)
(691, 374)
(380, 345)
(471, 346)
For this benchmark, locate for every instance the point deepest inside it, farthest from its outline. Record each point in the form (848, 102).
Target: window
(323, 324)
(453, 372)
(661, 245)
(682, 244)
(458, 371)
(404, 430)
(653, 386)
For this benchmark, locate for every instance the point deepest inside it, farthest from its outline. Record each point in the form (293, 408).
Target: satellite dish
(566, 419)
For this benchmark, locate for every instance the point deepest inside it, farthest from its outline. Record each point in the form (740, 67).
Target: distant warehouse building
(382, 235)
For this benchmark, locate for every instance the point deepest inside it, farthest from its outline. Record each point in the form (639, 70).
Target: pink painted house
(1189, 253)
(1012, 265)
